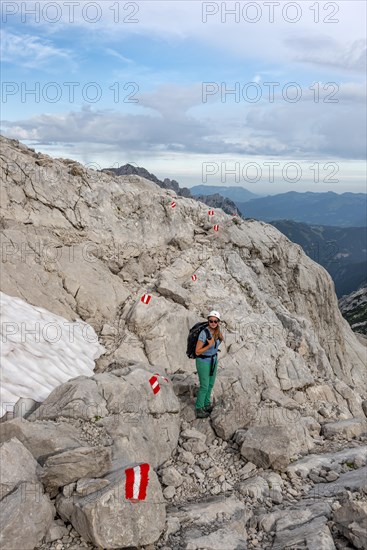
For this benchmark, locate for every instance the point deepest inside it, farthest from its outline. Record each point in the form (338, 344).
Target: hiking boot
(201, 413)
(209, 408)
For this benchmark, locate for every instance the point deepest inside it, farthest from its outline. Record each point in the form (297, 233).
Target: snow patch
(40, 351)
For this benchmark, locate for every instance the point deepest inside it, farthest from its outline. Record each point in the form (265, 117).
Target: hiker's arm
(201, 347)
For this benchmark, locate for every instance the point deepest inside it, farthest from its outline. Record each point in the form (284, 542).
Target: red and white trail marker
(153, 381)
(145, 298)
(136, 482)
(216, 227)
(194, 277)
(173, 204)
(210, 212)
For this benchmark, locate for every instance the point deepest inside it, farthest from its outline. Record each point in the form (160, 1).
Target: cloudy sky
(269, 95)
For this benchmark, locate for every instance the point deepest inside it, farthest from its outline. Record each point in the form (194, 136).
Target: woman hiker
(207, 363)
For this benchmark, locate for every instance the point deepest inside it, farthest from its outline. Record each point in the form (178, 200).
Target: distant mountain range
(344, 210)
(341, 250)
(236, 194)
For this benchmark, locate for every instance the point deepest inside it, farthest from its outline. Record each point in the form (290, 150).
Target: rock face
(354, 308)
(217, 201)
(94, 246)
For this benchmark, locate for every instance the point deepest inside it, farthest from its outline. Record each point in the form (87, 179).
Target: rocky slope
(280, 463)
(354, 308)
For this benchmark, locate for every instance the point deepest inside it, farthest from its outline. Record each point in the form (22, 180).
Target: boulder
(269, 447)
(64, 468)
(108, 519)
(57, 530)
(17, 465)
(42, 439)
(26, 515)
(313, 534)
(171, 476)
(351, 519)
(347, 428)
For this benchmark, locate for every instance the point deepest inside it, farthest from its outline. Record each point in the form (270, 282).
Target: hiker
(206, 352)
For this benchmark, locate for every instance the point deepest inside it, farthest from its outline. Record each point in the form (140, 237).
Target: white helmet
(214, 314)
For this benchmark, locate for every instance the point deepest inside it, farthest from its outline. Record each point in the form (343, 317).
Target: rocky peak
(214, 201)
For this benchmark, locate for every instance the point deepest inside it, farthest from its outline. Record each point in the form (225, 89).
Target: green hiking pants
(206, 382)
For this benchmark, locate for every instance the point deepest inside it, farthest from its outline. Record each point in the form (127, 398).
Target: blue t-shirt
(210, 351)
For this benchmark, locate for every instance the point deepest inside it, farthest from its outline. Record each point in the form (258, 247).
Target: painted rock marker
(136, 482)
(145, 298)
(153, 381)
(194, 277)
(216, 227)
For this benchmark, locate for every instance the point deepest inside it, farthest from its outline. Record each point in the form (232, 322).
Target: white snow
(41, 350)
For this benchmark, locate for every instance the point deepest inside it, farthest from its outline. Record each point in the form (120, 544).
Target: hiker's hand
(211, 342)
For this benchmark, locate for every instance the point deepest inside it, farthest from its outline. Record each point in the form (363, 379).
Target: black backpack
(193, 338)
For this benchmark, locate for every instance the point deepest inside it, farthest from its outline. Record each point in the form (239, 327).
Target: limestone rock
(88, 485)
(123, 405)
(169, 492)
(56, 531)
(347, 428)
(351, 519)
(106, 518)
(42, 438)
(304, 466)
(217, 540)
(64, 468)
(256, 487)
(355, 480)
(17, 465)
(302, 513)
(207, 510)
(284, 329)
(171, 476)
(268, 447)
(25, 517)
(313, 534)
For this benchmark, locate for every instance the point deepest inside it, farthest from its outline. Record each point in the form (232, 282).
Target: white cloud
(32, 52)
(116, 54)
(306, 128)
(326, 52)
